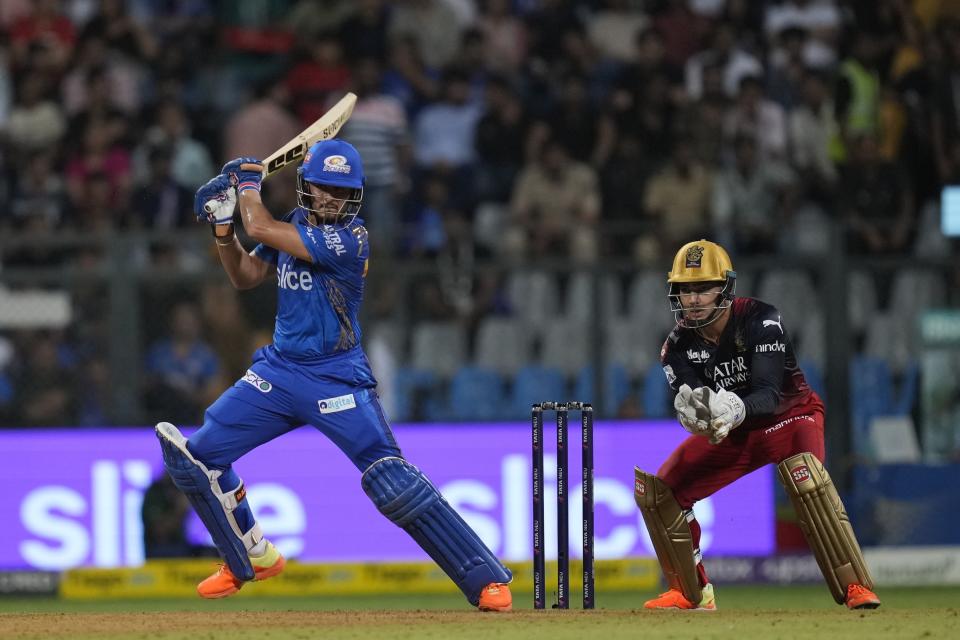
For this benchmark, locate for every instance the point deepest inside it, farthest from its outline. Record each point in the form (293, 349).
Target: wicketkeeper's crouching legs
(673, 540)
(827, 528)
(219, 498)
(404, 495)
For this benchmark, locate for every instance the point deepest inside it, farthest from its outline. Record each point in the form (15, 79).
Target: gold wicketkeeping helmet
(701, 261)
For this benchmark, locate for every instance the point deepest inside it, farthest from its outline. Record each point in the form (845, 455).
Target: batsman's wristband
(247, 185)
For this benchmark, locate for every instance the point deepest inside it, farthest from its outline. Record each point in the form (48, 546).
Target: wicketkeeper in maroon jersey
(746, 404)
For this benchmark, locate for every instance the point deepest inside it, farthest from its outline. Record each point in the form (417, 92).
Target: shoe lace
(856, 590)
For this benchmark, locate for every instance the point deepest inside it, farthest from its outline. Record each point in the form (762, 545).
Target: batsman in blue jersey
(315, 373)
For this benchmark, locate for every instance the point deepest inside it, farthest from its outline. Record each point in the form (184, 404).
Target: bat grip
(249, 166)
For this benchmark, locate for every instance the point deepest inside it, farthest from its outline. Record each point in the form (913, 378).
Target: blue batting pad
(195, 484)
(403, 494)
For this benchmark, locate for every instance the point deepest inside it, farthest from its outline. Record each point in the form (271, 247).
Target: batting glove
(246, 173)
(215, 201)
(728, 412)
(692, 412)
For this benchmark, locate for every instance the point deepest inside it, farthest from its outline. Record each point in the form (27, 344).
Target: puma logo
(767, 323)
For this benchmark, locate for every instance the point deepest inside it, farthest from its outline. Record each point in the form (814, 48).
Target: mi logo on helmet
(336, 164)
(695, 256)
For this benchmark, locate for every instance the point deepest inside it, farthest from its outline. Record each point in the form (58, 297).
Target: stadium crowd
(519, 130)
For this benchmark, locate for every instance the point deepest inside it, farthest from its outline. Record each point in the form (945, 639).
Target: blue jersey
(318, 303)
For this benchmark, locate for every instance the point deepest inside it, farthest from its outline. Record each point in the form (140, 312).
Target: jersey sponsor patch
(256, 381)
(671, 376)
(697, 356)
(333, 240)
(290, 278)
(771, 347)
(340, 403)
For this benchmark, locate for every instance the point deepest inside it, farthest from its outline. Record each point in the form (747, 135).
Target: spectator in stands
(36, 121)
(785, 69)
(586, 132)
(181, 368)
(102, 81)
(47, 27)
(364, 33)
(443, 135)
(408, 78)
(649, 61)
(190, 158)
(556, 207)
(751, 200)
(946, 103)
(161, 202)
(504, 37)
(820, 18)
(734, 63)
(101, 156)
(877, 202)
(44, 390)
(94, 392)
(612, 30)
(678, 197)
(703, 119)
(433, 24)
(379, 130)
(38, 193)
(682, 31)
(812, 129)
(320, 75)
(263, 125)
(499, 141)
(857, 94)
(312, 19)
(755, 116)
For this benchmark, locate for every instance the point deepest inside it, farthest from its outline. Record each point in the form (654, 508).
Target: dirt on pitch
(555, 625)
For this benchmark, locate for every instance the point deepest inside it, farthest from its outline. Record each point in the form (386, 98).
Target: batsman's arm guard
(404, 495)
(214, 505)
(824, 523)
(670, 533)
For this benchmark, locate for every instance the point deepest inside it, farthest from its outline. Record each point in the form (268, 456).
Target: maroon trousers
(697, 469)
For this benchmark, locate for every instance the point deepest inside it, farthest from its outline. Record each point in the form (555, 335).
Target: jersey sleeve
(269, 254)
(768, 362)
(675, 367)
(341, 251)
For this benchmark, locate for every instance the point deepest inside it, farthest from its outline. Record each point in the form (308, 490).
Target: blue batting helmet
(332, 163)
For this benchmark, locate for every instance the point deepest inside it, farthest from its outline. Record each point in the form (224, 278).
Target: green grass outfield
(746, 613)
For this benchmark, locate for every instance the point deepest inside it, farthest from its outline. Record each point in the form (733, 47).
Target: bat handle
(249, 166)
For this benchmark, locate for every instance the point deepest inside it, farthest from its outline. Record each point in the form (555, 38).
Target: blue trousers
(277, 396)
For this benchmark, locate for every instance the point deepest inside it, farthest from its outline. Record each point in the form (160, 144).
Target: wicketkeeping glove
(215, 201)
(727, 411)
(692, 411)
(246, 173)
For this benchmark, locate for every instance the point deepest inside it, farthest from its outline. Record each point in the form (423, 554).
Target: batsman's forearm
(232, 256)
(256, 218)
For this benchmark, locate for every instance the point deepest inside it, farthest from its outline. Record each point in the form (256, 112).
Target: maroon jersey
(754, 359)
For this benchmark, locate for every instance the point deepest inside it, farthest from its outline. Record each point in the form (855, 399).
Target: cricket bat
(324, 128)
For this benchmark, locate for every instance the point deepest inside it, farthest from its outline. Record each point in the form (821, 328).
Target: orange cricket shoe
(496, 597)
(859, 597)
(223, 583)
(674, 599)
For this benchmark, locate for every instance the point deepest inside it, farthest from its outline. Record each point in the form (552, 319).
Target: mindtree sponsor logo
(84, 508)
